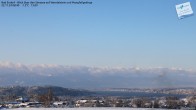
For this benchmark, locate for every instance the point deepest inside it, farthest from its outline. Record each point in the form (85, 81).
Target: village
(49, 101)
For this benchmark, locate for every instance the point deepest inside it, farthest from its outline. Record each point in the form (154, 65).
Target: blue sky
(107, 33)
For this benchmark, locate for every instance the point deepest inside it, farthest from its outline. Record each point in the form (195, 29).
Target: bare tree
(47, 98)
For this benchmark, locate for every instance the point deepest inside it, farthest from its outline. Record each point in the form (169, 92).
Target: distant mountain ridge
(39, 90)
(180, 91)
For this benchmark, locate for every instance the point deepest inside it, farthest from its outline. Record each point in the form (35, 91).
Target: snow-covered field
(85, 109)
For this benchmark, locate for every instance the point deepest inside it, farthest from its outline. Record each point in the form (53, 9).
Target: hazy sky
(145, 33)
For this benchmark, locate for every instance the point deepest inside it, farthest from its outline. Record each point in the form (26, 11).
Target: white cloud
(44, 74)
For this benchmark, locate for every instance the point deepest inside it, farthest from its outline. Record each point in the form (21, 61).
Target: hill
(38, 90)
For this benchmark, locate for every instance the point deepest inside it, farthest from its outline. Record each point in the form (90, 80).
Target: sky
(107, 33)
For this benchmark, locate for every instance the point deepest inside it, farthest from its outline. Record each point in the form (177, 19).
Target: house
(80, 103)
(12, 104)
(148, 105)
(30, 104)
(60, 104)
(185, 100)
(22, 99)
(162, 103)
